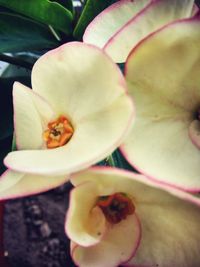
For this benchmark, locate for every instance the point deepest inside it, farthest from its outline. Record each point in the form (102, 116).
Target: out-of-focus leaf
(45, 11)
(13, 71)
(121, 162)
(21, 34)
(91, 10)
(66, 3)
(116, 160)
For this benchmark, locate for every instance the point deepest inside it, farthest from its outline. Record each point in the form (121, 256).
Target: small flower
(163, 77)
(117, 218)
(122, 25)
(76, 115)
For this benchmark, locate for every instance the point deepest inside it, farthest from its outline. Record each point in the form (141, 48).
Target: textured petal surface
(170, 226)
(166, 104)
(31, 114)
(108, 22)
(170, 234)
(95, 137)
(153, 17)
(119, 244)
(13, 185)
(85, 224)
(77, 80)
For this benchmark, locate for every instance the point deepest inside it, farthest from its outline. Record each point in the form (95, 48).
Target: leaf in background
(66, 3)
(21, 34)
(45, 11)
(91, 10)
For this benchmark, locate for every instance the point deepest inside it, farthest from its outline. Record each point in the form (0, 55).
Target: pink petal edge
(68, 214)
(133, 252)
(122, 149)
(100, 15)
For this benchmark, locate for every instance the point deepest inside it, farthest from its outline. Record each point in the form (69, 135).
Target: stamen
(116, 207)
(59, 132)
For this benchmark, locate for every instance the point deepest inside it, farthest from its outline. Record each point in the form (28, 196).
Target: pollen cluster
(59, 132)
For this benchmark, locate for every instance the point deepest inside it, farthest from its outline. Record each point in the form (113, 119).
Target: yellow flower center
(59, 132)
(116, 207)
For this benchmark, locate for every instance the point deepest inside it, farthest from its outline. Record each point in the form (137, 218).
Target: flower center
(116, 207)
(59, 132)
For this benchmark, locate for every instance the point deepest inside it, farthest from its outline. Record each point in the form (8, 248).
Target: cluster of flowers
(82, 108)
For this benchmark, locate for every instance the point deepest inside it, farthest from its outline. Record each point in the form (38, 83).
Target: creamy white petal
(163, 78)
(110, 20)
(31, 114)
(154, 16)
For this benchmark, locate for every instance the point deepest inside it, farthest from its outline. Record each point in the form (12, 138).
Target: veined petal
(94, 138)
(31, 113)
(118, 245)
(110, 20)
(13, 184)
(154, 16)
(168, 237)
(163, 77)
(85, 223)
(170, 234)
(77, 80)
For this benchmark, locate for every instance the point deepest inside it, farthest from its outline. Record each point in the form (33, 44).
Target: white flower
(117, 218)
(77, 114)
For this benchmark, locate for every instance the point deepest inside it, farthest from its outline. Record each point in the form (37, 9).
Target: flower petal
(110, 20)
(9, 179)
(31, 113)
(77, 80)
(170, 226)
(154, 16)
(94, 138)
(112, 180)
(170, 234)
(159, 144)
(85, 223)
(13, 184)
(119, 244)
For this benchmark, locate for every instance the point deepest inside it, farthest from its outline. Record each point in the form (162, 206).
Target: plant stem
(16, 61)
(110, 161)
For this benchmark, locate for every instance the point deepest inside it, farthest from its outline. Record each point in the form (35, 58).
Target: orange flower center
(59, 132)
(116, 207)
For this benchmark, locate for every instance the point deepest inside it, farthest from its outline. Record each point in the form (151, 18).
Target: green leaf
(91, 10)
(45, 11)
(19, 34)
(66, 3)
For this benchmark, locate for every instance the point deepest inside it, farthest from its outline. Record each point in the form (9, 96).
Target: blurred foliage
(66, 3)
(44, 11)
(21, 34)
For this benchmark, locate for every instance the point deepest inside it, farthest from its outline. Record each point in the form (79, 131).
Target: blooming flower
(163, 77)
(117, 218)
(122, 25)
(77, 113)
